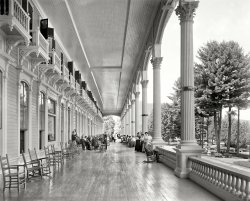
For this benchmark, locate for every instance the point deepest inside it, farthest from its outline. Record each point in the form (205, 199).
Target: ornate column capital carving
(137, 94)
(156, 62)
(186, 10)
(144, 83)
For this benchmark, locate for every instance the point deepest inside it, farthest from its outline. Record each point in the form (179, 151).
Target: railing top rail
(224, 168)
(20, 7)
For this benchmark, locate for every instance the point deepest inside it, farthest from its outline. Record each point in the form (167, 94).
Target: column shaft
(157, 139)
(144, 106)
(188, 146)
(137, 115)
(133, 118)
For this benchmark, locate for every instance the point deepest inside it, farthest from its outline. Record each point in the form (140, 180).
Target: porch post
(188, 146)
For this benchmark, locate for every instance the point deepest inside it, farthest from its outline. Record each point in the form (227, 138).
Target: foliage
(109, 125)
(170, 115)
(244, 132)
(221, 79)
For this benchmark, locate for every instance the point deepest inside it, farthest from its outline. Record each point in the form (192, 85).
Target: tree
(109, 124)
(221, 76)
(170, 115)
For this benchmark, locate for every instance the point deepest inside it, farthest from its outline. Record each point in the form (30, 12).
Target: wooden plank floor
(116, 175)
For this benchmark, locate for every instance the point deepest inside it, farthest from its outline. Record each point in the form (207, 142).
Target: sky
(214, 20)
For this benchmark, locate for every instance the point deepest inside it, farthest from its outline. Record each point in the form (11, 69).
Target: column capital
(144, 83)
(137, 94)
(156, 62)
(186, 10)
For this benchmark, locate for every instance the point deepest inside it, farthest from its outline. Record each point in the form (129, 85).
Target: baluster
(215, 176)
(225, 180)
(222, 179)
(211, 175)
(202, 170)
(206, 171)
(242, 188)
(247, 190)
(229, 181)
(219, 178)
(196, 167)
(233, 185)
(238, 193)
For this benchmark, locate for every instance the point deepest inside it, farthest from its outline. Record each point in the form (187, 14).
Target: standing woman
(105, 141)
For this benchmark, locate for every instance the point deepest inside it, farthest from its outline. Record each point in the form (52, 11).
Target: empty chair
(44, 162)
(65, 151)
(13, 175)
(33, 167)
(57, 155)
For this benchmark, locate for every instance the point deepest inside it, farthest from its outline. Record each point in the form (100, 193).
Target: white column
(133, 117)
(137, 115)
(144, 84)
(129, 120)
(4, 147)
(157, 138)
(188, 145)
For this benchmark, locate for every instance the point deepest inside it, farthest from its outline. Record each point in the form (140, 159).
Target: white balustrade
(77, 87)
(72, 81)
(233, 181)
(19, 13)
(43, 43)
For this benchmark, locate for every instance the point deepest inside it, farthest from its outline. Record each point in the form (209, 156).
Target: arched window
(1, 97)
(24, 114)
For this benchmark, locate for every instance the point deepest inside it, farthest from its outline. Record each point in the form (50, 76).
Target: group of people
(142, 140)
(139, 142)
(90, 142)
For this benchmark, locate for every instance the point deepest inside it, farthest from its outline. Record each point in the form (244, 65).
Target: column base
(158, 142)
(183, 166)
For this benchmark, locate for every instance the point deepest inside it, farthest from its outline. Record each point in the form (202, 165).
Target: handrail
(235, 181)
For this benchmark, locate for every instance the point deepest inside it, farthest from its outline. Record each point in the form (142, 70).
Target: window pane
(42, 120)
(51, 128)
(51, 106)
(1, 98)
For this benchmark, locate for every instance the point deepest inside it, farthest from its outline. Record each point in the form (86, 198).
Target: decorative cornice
(156, 62)
(186, 10)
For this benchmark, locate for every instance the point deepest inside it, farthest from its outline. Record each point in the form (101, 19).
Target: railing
(16, 10)
(77, 87)
(167, 155)
(43, 43)
(224, 181)
(72, 81)
(65, 71)
(57, 60)
(39, 40)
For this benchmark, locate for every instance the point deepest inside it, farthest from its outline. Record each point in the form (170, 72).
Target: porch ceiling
(105, 39)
